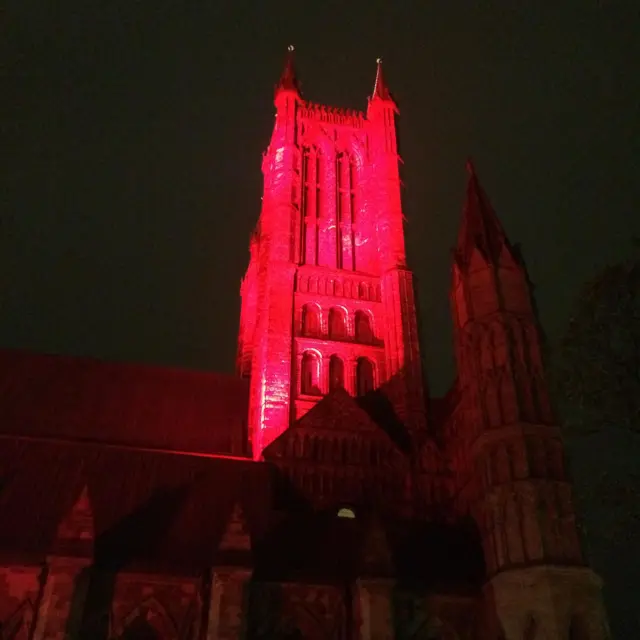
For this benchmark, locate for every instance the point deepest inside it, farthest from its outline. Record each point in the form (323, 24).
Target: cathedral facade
(320, 493)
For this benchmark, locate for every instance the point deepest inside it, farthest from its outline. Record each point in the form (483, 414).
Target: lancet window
(310, 374)
(336, 373)
(363, 330)
(310, 320)
(346, 177)
(337, 323)
(364, 376)
(310, 205)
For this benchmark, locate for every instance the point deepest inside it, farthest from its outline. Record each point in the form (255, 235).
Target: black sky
(133, 132)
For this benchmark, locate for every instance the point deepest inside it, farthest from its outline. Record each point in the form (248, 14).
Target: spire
(288, 80)
(380, 89)
(480, 228)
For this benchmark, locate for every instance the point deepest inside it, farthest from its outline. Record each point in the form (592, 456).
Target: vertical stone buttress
(401, 327)
(506, 445)
(228, 607)
(327, 255)
(65, 590)
(271, 276)
(375, 587)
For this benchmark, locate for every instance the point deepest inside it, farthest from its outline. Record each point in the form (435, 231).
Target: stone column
(63, 599)
(543, 601)
(375, 606)
(20, 587)
(350, 379)
(228, 608)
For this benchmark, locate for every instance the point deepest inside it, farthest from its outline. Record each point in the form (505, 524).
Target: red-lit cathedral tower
(327, 299)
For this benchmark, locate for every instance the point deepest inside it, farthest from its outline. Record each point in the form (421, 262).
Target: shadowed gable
(337, 413)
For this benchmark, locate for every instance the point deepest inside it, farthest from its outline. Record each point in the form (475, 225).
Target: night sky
(133, 132)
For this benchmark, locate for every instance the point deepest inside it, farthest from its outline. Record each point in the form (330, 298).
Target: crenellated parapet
(332, 115)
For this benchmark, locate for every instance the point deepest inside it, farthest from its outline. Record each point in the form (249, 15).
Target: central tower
(327, 299)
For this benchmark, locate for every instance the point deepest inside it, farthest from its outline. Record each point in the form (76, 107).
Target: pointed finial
(380, 89)
(288, 80)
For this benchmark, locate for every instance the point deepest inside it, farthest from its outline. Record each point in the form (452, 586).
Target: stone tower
(506, 447)
(327, 299)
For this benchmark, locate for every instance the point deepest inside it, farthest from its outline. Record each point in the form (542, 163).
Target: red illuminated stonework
(319, 494)
(327, 300)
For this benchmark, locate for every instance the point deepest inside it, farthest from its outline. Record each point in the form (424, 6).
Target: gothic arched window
(310, 374)
(345, 209)
(310, 320)
(364, 332)
(337, 323)
(310, 205)
(336, 373)
(364, 376)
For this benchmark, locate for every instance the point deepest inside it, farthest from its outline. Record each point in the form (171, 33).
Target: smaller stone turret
(509, 459)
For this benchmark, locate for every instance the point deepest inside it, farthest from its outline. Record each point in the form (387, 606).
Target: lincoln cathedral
(321, 492)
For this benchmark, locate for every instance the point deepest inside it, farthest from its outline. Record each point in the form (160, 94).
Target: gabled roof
(174, 513)
(158, 509)
(138, 405)
(338, 411)
(75, 463)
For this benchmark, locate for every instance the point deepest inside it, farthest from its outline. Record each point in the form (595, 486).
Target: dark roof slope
(150, 508)
(169, 512)
(138, 405)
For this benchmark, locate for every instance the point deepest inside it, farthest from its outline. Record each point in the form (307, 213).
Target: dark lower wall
(67, 599)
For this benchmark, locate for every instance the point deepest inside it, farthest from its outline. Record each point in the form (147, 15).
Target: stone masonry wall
(19, 595)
